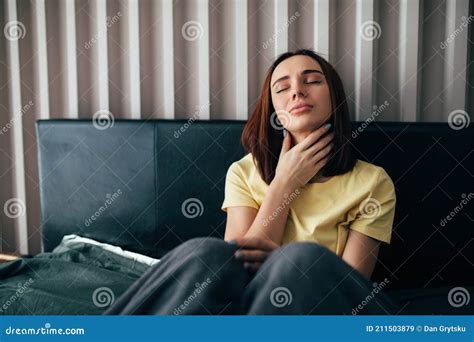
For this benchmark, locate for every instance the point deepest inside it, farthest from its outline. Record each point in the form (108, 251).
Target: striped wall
(207, 59)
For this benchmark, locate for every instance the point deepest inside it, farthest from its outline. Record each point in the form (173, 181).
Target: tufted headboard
(148, 185)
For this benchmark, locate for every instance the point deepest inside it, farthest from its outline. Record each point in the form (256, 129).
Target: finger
(251, 255)
(286, 145)
(319, 165)
(323, 153)
(313, 137)
(320, 144)
(257, 243)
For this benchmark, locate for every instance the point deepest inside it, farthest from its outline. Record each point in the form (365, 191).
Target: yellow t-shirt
(362, 199)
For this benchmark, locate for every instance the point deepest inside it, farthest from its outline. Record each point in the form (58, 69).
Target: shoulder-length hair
(264, 141)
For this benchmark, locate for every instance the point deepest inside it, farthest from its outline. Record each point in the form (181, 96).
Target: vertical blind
(400, 60)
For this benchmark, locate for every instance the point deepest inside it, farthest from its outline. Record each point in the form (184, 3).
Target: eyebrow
(309, 71)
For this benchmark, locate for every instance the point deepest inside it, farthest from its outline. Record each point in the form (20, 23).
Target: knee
(304, 256)
(203, 241)
(205, 247)
(211, 255)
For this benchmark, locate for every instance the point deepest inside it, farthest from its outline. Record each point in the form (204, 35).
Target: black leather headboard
(146, 169)
(149, 185)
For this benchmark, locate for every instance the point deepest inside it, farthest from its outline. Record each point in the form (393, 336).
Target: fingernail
(238, 255)
(232, 242)
(327, 126)
(285, 133)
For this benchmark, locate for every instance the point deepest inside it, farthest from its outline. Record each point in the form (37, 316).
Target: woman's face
(300, 95)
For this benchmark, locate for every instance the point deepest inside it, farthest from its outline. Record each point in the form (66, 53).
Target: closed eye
(312, 82)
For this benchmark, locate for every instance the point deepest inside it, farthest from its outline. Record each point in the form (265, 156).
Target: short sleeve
(237, 192)
(376, 213)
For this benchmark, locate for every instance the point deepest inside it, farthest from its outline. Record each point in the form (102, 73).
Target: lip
(300, 108)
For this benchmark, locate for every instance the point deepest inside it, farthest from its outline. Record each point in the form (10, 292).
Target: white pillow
(71, 239)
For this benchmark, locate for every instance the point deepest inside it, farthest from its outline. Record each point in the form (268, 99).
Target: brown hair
(264, 141)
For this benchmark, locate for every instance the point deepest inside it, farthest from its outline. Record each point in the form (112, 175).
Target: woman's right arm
(247, 222)
(296, 166)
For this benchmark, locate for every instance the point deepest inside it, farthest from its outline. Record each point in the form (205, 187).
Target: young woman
(304, 218)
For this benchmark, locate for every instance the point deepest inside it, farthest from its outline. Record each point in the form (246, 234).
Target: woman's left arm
(361, 252)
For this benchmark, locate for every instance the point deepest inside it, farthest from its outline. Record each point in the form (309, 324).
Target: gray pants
(202, 277)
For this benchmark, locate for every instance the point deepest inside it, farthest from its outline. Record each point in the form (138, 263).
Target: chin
(302, 125)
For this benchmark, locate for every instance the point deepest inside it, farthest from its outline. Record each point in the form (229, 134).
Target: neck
(297, 138)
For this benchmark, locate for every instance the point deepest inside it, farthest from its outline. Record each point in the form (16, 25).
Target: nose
(298, 91)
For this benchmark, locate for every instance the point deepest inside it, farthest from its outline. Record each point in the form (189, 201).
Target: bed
(80, 276)
(113, 203)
